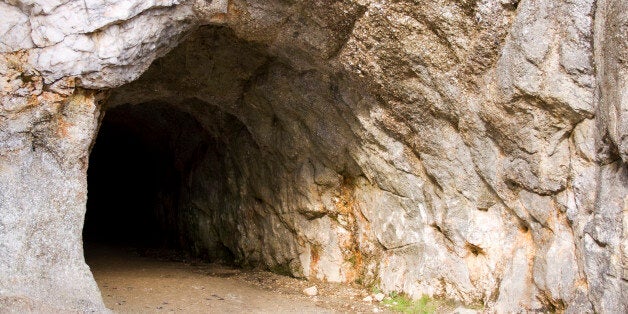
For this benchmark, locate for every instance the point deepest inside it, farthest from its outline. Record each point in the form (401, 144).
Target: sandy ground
(131, 282)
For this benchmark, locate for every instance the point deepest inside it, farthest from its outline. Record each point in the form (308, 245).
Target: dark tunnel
(137, 168)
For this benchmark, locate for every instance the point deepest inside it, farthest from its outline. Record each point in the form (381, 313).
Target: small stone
(379, 297)
(462, 310)
(376, 310)
(311, 291)
(368, 299)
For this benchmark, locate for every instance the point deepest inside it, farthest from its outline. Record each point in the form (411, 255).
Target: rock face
(474, 150)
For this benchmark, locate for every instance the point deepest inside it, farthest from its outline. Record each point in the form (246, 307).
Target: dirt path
(133, 283)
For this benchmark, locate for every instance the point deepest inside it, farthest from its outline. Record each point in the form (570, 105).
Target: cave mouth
(229, 151)
(138, 167)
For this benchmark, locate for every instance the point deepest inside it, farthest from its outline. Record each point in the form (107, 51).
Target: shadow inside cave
(137, 175)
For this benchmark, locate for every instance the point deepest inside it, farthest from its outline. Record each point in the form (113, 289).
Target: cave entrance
(136, 177)
(175, 165)
(229, 152)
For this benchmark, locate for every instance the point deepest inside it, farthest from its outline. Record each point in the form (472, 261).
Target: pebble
(379, 297)
(311, 291)
(368, 299)
(462, 310)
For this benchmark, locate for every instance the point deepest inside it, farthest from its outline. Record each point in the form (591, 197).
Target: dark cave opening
(124, 177)
(137, 176)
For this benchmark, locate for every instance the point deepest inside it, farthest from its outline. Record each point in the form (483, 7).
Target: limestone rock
(473, 150)
(311, 291)
(379, 297)
(462, 310)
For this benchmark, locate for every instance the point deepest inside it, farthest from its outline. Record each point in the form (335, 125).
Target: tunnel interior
(125, 175)
(137, 167)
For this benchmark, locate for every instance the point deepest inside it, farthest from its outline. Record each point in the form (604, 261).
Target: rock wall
(473, 150)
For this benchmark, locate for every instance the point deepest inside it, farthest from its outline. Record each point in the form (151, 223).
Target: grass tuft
(402, 303)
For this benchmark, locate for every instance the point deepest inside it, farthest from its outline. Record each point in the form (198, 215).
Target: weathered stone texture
(473, 150)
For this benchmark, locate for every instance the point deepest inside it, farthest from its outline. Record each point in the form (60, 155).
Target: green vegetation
(375, 289)
(402, 303)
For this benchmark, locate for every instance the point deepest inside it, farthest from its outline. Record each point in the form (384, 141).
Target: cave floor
(133, 281)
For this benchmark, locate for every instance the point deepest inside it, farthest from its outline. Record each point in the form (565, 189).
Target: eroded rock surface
(473, 150)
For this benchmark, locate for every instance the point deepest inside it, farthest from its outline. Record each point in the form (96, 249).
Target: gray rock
(472, 150)
(311, 291)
